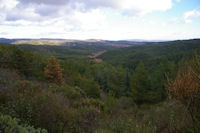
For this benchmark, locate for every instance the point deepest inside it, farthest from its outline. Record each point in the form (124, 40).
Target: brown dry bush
(185, 88)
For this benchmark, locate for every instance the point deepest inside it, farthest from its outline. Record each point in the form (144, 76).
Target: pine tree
(22, 61)
(53, 72)
(140, 84)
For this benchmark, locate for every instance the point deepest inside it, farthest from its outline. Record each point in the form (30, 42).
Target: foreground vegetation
(151, 88)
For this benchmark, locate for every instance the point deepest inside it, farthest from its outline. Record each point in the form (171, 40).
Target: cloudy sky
(100, 19)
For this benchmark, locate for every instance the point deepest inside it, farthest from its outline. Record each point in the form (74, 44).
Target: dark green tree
(159, 78)
(90, 87)
(140, 84)
(116, 80)
(22, 61)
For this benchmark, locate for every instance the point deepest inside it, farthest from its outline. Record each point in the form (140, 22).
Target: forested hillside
(152, 53)
(62, 52)
(58, 89)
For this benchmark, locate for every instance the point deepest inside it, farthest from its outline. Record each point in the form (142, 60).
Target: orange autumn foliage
(185, 88)
(53, 71)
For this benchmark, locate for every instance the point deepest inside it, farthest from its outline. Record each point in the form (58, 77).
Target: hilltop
(68, 42)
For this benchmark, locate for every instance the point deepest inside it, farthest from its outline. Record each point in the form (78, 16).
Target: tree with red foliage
(53, 71)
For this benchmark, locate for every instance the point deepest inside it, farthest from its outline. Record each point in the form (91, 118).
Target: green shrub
(110, 104)
(12, 125)
(66, 90)
(90, 87)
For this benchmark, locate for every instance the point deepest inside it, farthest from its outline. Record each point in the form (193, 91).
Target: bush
(90, 87)
(125, 124)
(7, 79)
(66, 90)
(11, 125)
(169, 117)
(185, 88)
(111, 103)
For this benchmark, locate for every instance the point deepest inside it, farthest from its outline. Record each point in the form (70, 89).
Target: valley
(94, 56)
(99, 88)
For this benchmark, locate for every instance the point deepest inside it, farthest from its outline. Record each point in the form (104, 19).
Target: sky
(100, 19)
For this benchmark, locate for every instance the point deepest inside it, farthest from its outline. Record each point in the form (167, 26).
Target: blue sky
(100, 19)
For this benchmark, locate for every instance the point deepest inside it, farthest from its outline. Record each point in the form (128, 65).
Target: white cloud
(64, 7)
(83, 19)
(73, 15)
(176, 20)
(6, 5)
(142, 5)
(178, 0)
(190, 15)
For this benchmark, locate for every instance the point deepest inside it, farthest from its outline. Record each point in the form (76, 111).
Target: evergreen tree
(159, 78)
(22, 61)
(116, 80)
(140, 84)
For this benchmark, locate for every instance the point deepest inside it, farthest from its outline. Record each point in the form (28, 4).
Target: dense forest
(154, 87)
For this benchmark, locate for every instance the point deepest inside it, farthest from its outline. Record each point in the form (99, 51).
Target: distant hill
(8, 41)
(153, 52)
(66, 42)
(143, 40)
(70, 42)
